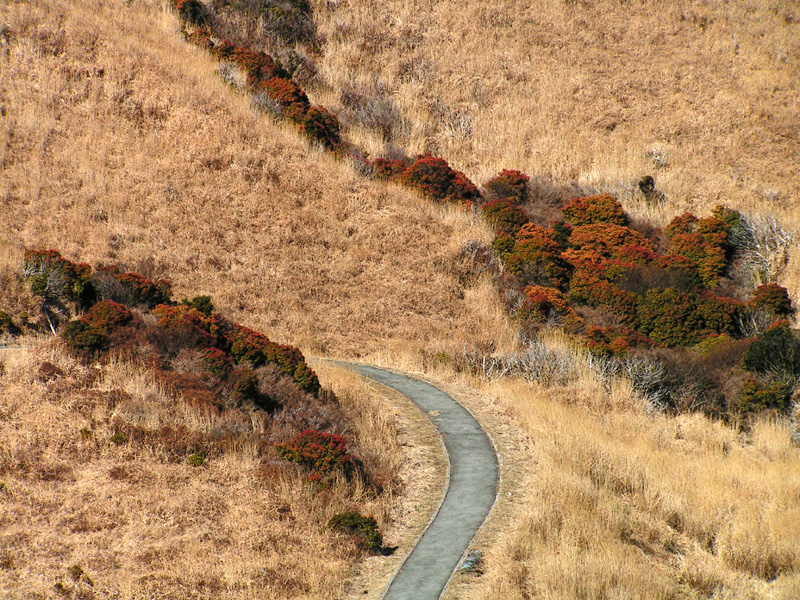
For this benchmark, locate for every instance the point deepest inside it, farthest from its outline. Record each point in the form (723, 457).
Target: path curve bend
(471, 489)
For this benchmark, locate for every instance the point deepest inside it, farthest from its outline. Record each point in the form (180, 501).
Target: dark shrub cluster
(365, 529)
(437, 180)
(606, 281)
(94, 330)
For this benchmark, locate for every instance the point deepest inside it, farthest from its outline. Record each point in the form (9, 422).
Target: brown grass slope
(701, 95)
(120, 144)
(155, 163)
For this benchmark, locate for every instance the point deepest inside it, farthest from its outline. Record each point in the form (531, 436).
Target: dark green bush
(776, 353)
(364, 528)
(670, 318)
(758, 396)
(773, 298)
(504, 216)
(201, 304)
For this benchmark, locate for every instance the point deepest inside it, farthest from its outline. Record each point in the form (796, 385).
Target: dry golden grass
(120, 144)
(141, 524)
(607, 501)
(584, 95)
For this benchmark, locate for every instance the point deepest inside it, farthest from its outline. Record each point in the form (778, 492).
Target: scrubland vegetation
(620, 290)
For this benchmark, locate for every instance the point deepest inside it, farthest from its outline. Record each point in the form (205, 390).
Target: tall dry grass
(588, 96)
(121, 144)
(143, 523)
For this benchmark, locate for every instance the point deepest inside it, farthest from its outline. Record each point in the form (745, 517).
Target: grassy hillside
(122, 144)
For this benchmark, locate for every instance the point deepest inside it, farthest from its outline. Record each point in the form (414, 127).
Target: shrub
(364, 528)
(217, 362)
(536, 258)
(79, 335)
(320, 452)
(546, 303)
(54, 277)
(773, 298)
(706, 253)
(292, 100)
(191, 11)
(434, 178)
(504, 216)
(183, 327)
(201, 304)
(758, 396)
(720, 314)
(776, 353)
(503, 245)
(256, 348)
(388, 169)
(321, 126)
(594, 209)
(616, 341)
(607, 239)
(132, 289)
(196, 460)
(512, 185)
(106, 316)
(647, 186)
(670, 318)
(245, 387)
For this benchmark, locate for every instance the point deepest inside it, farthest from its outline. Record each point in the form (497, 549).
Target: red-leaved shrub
(773, 298)
(594, 209)
(512, 185)
(607, 239)
(543, 304)
(320, 452)
(536, 258)
(434, 178)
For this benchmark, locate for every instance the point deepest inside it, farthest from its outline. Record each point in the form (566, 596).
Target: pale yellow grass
(619, 503)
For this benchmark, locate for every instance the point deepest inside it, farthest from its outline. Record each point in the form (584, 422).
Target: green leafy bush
(364, 528)
(201, 304)
(55, 278)
(776, 353)
(670, 318)
(758, 396)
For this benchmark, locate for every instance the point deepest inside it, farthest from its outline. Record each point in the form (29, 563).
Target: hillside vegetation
(128, 142)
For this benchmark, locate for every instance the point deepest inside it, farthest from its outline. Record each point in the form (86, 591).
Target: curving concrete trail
(470, 495)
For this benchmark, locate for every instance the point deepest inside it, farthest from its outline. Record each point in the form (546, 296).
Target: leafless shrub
(762, 245)
(415, 71)
(231, 74)
(457, 124)
(537, 363)
(648, 378)
(754, 321)
(361, 166)
(373, 108)
(263, 103)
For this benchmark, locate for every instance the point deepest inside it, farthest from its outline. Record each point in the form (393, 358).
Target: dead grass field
(582, 96)
(140, 524)
(120, 144)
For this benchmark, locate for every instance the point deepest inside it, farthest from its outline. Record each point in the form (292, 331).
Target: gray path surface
(470, 494)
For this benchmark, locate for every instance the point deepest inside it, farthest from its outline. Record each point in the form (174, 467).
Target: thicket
(674, 299)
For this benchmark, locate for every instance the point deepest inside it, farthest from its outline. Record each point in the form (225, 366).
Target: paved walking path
(470, 494)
